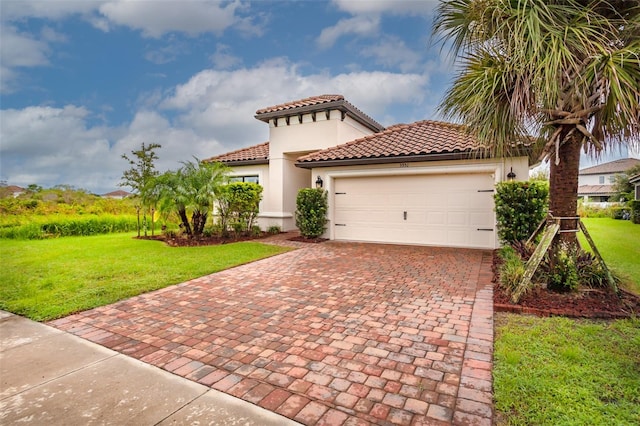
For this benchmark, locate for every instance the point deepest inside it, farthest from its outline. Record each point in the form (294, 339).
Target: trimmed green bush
(311, 214)
(619, 212)
(635, 211)
(238, 206)
(520, 207)
(274, 230)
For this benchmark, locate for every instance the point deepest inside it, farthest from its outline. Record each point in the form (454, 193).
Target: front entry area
(454, 210)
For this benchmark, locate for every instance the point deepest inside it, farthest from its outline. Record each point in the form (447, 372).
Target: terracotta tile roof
(255, 154)
(419, 138)
(117, 193)
(317, 104)
(595, 190)
(617, 166)
(314, 100)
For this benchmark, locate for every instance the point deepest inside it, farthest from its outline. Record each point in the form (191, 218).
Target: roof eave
(340, 105)
(461, 155)
(236, 163)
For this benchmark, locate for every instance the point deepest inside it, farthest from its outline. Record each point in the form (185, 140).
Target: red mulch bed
(202, 241)
(302, 239)
(586, 303)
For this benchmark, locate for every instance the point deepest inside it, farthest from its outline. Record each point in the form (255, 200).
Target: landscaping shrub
(586, 210)
(620, 212)
(635, 211)
(520, 207)
(524, 250)
(274, 230)
(564, 275)
(238, 206)
(590, 270)
(311, 214)
(574, 267)
(512, 269)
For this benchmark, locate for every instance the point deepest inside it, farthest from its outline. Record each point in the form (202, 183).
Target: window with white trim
(247, 178)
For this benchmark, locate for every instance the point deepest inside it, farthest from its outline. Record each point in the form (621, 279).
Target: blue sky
(83, 82)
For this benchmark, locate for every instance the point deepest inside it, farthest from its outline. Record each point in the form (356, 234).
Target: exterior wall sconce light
(511, 175)
(319, 183)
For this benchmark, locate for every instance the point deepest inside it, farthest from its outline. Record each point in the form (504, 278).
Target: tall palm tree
(567, 71)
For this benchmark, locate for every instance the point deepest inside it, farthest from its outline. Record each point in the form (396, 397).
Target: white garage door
(446, 210)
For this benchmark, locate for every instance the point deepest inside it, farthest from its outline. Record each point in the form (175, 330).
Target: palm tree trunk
(563, 188)
(185, 221)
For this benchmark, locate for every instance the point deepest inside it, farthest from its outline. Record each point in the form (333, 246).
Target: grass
(48, 279)
(558, 371)
(618, 242)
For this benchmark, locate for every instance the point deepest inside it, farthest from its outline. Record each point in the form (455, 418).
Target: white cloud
(392, 52)
(52, 36)
(178, 143)
(48, 146)
(43, 9)
(51, 146)
(153, 18)
(396, 7)
(358, 25)
(21, 49)
(223, 103)
(211, 113)
(166, 54)
(223, 58)
(160, 17)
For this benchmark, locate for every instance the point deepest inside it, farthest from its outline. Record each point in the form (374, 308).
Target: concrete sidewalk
(51, 377)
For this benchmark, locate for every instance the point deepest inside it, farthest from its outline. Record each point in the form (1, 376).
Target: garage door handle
(405, 215)
(485, 229)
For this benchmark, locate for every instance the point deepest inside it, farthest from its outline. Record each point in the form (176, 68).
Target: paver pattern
(329, 334)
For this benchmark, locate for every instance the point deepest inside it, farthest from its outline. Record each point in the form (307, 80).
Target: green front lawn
(47, 279)
(619, 243)
(559, 371)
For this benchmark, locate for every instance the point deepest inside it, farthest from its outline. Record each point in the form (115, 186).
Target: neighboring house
(118, 195)
(635, 181)
(421, 183)
(595, 184)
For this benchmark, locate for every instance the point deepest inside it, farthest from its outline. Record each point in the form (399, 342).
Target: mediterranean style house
(595, 184)
(422, 183)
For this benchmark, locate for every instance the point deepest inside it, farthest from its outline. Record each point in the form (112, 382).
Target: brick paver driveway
(333, 333)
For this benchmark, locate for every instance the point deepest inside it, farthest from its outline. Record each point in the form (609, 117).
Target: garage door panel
(436, 218)
(350, 216)
(482, 218)
(458, 218)
(456, 200)
(457, 237)
(444, 210)
(482, 239)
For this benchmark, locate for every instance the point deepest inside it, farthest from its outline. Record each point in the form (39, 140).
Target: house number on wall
(404, 164)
